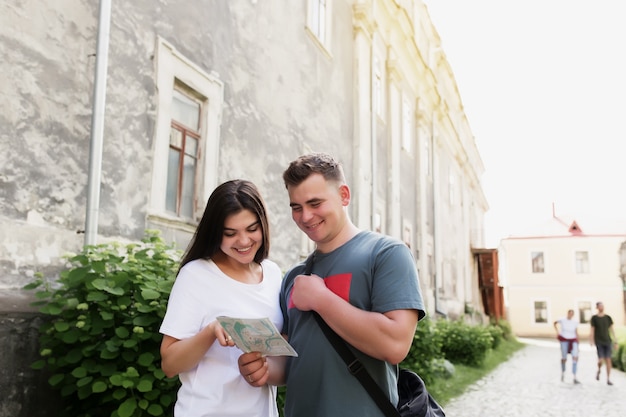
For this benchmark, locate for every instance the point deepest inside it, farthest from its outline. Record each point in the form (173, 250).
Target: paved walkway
(529, 385)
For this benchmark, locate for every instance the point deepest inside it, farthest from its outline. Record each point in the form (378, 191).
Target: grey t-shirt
(374, 273)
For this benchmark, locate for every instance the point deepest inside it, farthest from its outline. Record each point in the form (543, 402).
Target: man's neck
(345, 235)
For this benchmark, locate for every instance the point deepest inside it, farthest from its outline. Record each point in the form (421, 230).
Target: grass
(444, 390)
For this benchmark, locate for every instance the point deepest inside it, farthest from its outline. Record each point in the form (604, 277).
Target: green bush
(462, 343)
(100, 339)
(619, 357)
(424, 352)
(497, 335)
(507, 331)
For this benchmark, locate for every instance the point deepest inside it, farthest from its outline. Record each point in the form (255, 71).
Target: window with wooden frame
(186, 144)
(182, 167)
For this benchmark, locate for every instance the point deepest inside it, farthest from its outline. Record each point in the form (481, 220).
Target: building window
(582, 262)
(541, 312)
(180, 195)
(318, 20)
(584, 312)
(186, 138)
(537, 262)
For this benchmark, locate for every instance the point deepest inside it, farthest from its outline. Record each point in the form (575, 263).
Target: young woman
(225, 271)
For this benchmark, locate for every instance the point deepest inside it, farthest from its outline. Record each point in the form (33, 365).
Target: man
(601, 332)
(567, 333)
(365, 287)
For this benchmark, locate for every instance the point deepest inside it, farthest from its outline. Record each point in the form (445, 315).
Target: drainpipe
(97, 124)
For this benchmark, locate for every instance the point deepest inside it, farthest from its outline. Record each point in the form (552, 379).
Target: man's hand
(307, 291)
(253, 368)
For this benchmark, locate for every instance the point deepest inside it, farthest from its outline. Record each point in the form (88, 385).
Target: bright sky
(543, 83)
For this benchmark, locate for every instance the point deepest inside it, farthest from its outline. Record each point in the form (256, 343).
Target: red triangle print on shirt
(339, 284)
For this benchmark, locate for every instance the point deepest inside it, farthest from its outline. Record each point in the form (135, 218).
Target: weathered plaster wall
(284, 96)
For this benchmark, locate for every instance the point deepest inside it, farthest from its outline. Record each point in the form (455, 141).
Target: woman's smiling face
(242, 236)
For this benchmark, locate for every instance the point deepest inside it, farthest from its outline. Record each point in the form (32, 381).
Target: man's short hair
(315, 163)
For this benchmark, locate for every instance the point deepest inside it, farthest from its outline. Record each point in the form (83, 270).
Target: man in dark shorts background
(601, 332)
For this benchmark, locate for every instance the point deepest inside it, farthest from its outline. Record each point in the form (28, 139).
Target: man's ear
(344, 193)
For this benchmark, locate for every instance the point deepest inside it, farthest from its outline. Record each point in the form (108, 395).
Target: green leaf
(148, 294)
(122, 332)
(79, 372)
(143, 404)
(129, 343)
(166, 400)
(77, 276)
(74, 356)
(116, 380)
(96, 296)
(119, 393)
(99, 267)
(145, 359)
(99, 283)
(114, 290)
(106, 315)
(84, 381)
(107, 354)
(144, 385)
(70, 337)
(61, 326)
(52, 309)
(33, 285)
(155, 410)
(43, 294)
(131, 372)
(40, 364)
(55, 379)
(99, 386)
(143, 321)
(127, 408)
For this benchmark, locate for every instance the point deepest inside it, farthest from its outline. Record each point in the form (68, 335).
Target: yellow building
(545, 275)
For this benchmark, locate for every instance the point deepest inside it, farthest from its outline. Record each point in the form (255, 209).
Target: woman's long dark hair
(227, 199)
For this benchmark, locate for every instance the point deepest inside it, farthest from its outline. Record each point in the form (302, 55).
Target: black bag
(414, 399)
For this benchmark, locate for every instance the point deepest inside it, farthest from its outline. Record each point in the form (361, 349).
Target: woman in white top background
(567, 333)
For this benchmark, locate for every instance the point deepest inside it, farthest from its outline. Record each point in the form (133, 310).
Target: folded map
(256, 335)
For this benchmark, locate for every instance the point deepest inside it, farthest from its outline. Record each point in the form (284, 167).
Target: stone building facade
(233, 89)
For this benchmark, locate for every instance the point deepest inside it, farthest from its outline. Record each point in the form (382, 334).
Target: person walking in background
(364, 285)
(225, 271)
(603, 335)
(567, 333)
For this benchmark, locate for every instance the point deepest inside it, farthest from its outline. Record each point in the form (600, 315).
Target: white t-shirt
(215, 387)
(568, 328)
